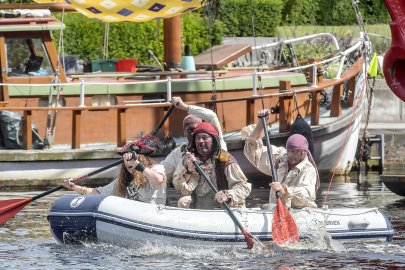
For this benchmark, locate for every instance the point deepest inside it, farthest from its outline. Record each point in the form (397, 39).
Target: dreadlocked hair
(125, 177)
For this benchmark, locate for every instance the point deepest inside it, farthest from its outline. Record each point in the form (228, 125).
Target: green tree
(238, 16)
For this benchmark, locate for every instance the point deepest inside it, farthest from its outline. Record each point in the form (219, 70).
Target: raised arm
(257, 132)
(206, 114)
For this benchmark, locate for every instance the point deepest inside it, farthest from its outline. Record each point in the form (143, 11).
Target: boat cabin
(27, 53)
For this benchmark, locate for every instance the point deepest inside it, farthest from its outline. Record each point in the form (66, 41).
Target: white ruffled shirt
(299, 181)
(147, 193)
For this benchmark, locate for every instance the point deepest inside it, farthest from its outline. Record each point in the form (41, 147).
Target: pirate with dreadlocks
(220, 166)
(173, 163)
(139, 179)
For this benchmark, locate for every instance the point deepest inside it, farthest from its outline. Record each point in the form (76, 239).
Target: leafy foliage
(300, 11)
(85, 38)
(239, 16)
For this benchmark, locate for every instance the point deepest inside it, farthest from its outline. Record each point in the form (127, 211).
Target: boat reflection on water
(27, 239)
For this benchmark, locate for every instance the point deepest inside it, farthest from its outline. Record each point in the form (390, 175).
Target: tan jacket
(173, 162)
(203, 197)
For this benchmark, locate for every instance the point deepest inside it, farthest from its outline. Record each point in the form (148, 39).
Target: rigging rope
(359, 100)
(364, 137)
(106, 38)
(51, 116)
(366, 55)
(210, 10)
(259, 77)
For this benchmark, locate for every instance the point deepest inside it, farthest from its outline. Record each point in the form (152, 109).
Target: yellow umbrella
(129, 10)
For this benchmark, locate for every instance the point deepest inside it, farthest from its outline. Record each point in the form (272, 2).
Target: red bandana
(206, 127)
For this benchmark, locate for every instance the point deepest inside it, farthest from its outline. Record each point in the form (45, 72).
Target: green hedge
(237, 16)
(84, 37)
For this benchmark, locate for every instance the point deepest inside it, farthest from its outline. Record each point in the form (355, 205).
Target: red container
(126, 65)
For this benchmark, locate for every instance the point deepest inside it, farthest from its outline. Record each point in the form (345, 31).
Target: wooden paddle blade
(283, 230)
(10, 208)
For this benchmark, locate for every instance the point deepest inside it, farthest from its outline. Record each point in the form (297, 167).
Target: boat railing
(299, 39)
(341, 57)
(284, 97)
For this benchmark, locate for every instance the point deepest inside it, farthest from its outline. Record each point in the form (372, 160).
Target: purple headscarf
(299, 142)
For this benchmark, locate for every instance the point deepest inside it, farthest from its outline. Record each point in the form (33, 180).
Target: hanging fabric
(130, 11)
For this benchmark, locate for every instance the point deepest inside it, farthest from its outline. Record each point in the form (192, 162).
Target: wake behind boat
(110, 219)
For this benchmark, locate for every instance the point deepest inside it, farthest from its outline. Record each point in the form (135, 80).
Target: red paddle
(283, 229)
(10, 208)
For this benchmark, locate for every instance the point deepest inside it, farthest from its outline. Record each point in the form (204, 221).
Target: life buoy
(394, 59)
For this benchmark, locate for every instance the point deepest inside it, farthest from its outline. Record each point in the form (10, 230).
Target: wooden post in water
(172, 42)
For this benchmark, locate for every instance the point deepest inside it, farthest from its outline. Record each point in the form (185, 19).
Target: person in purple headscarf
(296, 170)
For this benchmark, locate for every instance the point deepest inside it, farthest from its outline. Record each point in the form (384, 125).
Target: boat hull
(395, 183)
(109, 219)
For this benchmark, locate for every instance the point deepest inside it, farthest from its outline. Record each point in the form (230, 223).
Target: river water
(26, 242)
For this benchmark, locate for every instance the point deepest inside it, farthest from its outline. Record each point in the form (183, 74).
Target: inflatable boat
(119, 221)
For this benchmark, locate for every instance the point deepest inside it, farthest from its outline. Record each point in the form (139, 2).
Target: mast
(172, 42)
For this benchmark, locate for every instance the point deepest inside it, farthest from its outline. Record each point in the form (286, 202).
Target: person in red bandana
(219, 165)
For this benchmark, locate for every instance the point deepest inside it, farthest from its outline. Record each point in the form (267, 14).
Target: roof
(30, 24)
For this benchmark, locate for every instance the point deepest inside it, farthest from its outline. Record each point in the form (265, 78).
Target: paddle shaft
(9, 208)
(80, 178)
(247, 235)
(163, 120)
(273, 169)
(266, 135)
(284, 228)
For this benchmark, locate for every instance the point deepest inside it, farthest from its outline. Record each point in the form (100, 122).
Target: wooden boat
(110, 219)
(395, 183)
(98, 112)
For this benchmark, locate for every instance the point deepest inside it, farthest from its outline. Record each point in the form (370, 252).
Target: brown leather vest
(222, 182)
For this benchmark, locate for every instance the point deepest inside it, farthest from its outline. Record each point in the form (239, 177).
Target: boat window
(27, 57)
(104, 100)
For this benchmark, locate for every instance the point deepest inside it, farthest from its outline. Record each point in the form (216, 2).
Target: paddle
(283, 230)
(163, 120)
(149, 139)
(9, 208)
(248, 236)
